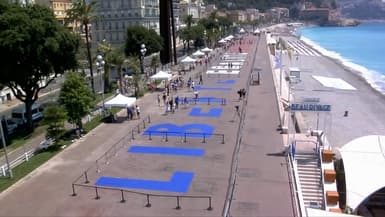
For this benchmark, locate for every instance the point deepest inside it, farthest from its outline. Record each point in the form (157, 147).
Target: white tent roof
(188, 60)
(364, 162)
(230, 37)
(257, 31)
(222, 41)
(120, 101)
(323, 213)
(242, 30)
(198, 53)
(162, 75)
(206, 49)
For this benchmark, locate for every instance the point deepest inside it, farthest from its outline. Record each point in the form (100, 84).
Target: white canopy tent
(206, 50)
(188, 60)
(120, 101)
(198, 53)
(229, 38)
(364, 162)
(222, 41)
(161, 75)
(242, 30)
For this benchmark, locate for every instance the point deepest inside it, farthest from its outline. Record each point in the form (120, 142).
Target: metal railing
(147, 195)
(294, 186)
(83, 181)
(183, 135)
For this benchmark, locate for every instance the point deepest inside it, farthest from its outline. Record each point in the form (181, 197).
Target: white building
(116, 15)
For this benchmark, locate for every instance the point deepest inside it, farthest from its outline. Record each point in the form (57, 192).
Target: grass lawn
(34, 162)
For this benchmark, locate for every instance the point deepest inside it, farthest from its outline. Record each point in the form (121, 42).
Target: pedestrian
(196, 94)
(164, 98)
(185, 102)
(243, 93)
(138, 111)
(129, 113)
(200, 79)
(240, 94)
(158, 99)
(176, 102)
(193, 85)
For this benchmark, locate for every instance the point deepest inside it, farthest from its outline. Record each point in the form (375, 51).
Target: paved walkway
(262, 187)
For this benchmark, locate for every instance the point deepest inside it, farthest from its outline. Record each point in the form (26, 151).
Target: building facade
(116, 15)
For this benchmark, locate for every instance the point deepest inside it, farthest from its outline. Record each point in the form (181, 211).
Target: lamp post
(99, 66)
(205, 37)
(5, 150)
(143, 51)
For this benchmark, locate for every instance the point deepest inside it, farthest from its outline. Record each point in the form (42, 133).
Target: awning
(161, 75)
(364, 163)
(120, 101)
(188, 60)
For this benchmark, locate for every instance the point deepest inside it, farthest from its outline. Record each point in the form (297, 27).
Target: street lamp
(143, 51)
(5, 150)
(205, 37)
(99, 66)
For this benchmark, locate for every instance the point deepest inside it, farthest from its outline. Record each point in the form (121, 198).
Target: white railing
(24, 157)
(322, 176)
(299, 189)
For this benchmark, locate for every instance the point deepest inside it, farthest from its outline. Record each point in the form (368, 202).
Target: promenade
(246, 175)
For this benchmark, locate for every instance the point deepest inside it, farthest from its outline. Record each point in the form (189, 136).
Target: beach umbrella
(188, 60)
(198, 53)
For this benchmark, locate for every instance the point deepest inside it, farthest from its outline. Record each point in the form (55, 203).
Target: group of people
(133, 110)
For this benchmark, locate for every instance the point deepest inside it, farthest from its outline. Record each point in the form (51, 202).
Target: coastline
(364, 105)
(372, 77)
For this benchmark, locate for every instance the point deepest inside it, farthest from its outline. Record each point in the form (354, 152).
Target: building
(238, 16)
(278, 15)
(117, 15)
(195, 9)
(319, 14)
(252, 14)
(59, 8)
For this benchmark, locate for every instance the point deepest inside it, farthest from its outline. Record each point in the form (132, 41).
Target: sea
(360, 48)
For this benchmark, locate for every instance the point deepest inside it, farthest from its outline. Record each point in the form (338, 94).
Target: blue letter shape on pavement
(225, 81)
(188, 152)
(213, 112)
(179, 182)
(190, 130)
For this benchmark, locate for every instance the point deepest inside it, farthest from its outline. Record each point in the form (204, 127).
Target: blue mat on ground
(188, 130)
(179, 182)
(213, 112)
(210, 99)
(225, 82)
(191, 152)
(198, 88)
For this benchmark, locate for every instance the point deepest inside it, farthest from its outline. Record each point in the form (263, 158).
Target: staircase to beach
(309, 172)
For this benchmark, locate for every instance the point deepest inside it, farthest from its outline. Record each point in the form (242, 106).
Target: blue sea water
(361, 48)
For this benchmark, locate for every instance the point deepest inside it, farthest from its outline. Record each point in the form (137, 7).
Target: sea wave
(375, 79)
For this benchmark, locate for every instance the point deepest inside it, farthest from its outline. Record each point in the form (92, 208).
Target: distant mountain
(362, 9)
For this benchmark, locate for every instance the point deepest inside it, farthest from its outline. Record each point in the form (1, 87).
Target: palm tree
(116, 57)
(83, 13)
(134, 64)
(155, 61)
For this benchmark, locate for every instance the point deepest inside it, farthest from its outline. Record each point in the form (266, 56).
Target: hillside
(362, 9)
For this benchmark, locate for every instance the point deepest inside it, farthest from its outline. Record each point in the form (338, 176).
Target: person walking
(138, 111)
(158, 99)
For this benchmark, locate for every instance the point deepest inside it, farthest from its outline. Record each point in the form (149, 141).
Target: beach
(364, 105)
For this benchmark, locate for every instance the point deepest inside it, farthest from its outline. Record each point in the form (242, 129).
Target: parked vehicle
(11, 126)
(19, 115)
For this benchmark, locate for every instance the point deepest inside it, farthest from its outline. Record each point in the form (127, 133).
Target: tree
(155, 61)
(34, 49)
(116, 58)
(138, 35)
(76, 98)
(55, 117)
(84, 13)
(133, 64)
